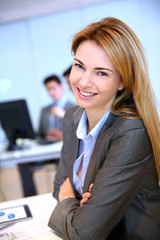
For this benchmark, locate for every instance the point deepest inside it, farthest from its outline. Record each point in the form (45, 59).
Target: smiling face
(94, 79)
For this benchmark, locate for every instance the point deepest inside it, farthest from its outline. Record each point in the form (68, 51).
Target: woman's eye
(103, 74)
(79, 66)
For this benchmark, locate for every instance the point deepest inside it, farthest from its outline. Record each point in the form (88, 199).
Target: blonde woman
(107, 179)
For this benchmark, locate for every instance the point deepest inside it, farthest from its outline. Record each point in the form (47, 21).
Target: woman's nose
(86, 80)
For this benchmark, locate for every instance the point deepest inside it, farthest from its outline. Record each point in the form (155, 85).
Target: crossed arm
(114, 189)
(66, 190)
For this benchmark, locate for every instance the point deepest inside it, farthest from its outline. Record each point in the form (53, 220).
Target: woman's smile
(85, 94)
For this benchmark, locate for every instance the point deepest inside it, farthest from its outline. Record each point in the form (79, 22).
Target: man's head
(66, 74)
(54, 87)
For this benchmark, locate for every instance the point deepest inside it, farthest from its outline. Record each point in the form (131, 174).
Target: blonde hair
(126, 52)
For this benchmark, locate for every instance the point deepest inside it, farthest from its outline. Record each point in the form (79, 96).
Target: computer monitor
(16, 122)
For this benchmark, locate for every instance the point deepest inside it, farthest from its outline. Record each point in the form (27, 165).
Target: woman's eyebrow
(79, 61)
(97, 68)
(102, 68)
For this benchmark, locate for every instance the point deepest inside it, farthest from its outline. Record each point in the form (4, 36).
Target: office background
(37, 46)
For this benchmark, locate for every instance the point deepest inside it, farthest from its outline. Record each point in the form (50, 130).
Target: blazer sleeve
(126, 163)
(61, 175)
(62, 171)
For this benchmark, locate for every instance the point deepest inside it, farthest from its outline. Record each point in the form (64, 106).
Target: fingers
(86, 195)
(83, 201)
(85, 198)
(90, 187)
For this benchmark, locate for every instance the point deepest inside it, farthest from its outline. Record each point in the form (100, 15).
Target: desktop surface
(41, 207)
(32, 152)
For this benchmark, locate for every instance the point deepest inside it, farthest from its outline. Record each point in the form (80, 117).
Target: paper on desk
(32, 229)
(6, 236)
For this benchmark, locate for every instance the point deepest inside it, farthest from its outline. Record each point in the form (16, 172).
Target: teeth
(86, 94)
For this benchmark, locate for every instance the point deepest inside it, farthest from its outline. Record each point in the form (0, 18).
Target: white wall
(34, 48)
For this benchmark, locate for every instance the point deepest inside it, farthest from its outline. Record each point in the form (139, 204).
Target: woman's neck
(93, 118)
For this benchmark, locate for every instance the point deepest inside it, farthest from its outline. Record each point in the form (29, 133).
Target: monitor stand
(12, 145)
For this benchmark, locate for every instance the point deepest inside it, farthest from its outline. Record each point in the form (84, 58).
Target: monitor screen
(16, 122)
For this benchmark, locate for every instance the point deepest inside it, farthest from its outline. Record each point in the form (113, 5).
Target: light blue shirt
(87, 143)
(60, 103)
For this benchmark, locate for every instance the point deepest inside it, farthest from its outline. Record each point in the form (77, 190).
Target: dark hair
(51, 78)
(67, 71)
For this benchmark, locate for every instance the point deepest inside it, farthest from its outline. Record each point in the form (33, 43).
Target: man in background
(50, 127)
(66, 75)
(52, 115)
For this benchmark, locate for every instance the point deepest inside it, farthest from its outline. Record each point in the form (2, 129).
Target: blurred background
(35, 41)
(36, 37)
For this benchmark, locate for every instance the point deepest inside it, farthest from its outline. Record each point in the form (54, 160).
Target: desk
(41, 207)
(33, 154)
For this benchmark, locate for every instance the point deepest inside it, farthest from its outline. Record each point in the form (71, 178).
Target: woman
(107, 178)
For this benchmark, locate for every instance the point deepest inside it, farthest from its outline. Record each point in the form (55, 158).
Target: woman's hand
(86, 195)
(66, 190)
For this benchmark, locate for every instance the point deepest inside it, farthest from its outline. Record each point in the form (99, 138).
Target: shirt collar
(82, 126)
(61, 102)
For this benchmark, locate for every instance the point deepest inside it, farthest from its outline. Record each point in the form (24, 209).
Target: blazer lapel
(73, 154)
(96, 157)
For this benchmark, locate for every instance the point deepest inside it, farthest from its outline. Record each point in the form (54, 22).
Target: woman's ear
(121, 86)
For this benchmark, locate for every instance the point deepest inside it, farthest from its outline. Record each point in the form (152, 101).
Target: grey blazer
(44, 119)
(125, 201)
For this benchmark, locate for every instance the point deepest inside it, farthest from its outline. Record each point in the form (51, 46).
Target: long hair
(137, 99)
